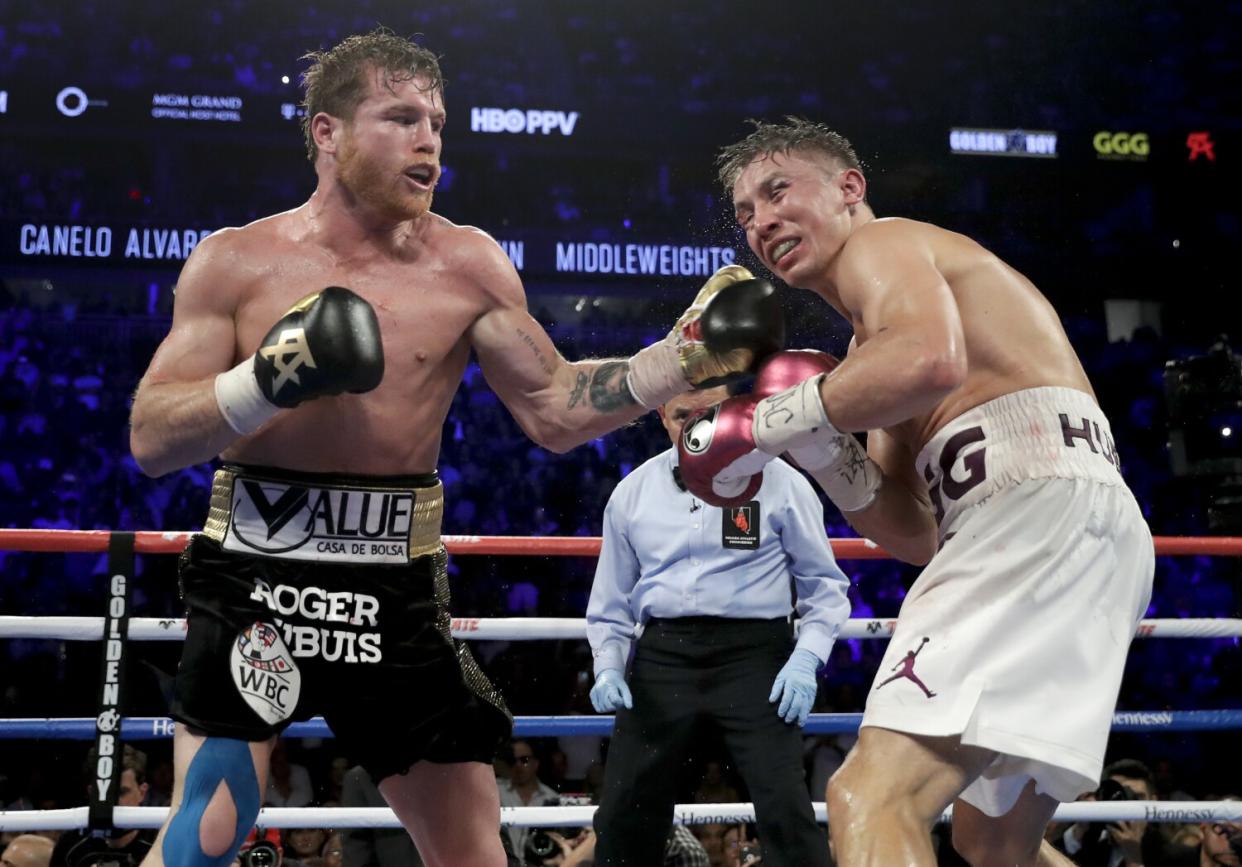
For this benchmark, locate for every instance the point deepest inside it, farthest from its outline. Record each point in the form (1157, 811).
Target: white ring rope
(554, 817)
(536, 628)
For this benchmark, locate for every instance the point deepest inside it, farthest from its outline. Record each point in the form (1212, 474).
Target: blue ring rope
(153, 728)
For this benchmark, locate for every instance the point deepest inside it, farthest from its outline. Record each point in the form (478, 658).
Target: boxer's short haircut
(795, 134)
(336, 81)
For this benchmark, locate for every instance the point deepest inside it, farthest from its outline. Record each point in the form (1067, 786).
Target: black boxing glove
(328, 343)
(733, 323)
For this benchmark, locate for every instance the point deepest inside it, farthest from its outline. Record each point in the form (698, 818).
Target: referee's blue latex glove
(610, 692)
(795, 687)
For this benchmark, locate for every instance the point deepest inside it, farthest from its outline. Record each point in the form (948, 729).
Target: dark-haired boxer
(988, 459)
(318, 584)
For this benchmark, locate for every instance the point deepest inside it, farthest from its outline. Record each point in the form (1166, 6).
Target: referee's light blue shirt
(663, 556)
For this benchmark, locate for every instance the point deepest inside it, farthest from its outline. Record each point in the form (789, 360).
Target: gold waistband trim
(425, 521)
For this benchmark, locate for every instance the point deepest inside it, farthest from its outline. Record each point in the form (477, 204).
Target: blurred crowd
(72, 346)
(65, 383)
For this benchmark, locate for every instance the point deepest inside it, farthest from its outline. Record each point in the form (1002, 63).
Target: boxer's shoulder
(252, 249)
(462, 246)
(266, 234)
(473, 257)
(887, 230)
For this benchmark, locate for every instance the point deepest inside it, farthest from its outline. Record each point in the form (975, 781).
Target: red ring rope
(151, 542)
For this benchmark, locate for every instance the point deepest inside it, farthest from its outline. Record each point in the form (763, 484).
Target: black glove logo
(697, 435)
(293, 343)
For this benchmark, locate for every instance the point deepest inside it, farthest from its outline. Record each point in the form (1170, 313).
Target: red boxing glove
(786, 369)
(787, 384)
(716, 450)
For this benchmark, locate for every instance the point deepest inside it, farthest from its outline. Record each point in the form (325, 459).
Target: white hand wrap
(792, 418)
(656, 375)
(796, 422)
(240, 399)
(852, 480)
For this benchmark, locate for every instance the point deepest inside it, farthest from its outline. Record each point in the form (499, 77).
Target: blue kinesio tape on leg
(217, 760)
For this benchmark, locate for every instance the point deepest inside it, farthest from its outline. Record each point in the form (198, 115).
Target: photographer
(577, 848)
(304, 844)
(1220, 845)
(263, 848)
(740, 849)
(525, 789)
(1116, 844)
(566, 847)
(118, 847)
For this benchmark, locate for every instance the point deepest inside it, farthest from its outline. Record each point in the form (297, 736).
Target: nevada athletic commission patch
(264, 672)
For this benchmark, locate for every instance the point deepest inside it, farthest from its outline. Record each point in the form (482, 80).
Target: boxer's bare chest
(424, 313)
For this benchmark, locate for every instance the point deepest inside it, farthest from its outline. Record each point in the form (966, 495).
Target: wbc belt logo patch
(297, 522)
(264, 672)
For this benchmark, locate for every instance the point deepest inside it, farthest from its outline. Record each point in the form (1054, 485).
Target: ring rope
(91, 628)
(156, 727)
(538, 628)
(172, 542)
(552, 817)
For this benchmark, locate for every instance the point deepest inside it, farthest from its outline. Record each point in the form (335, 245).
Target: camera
(540, 845)
(1111, 790)
(1203, 394)
(261, 854)
(749, 854)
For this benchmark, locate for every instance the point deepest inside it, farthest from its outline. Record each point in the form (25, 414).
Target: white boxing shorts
(1015, 635)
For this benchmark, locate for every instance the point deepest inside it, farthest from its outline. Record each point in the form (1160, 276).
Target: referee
(713, 589)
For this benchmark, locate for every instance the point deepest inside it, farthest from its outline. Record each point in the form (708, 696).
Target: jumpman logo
(907, 670)
(292, 343)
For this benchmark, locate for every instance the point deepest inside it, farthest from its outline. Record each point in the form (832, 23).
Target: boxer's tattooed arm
(542, 360)
(604, 388)
(608, 389)
(580, 384)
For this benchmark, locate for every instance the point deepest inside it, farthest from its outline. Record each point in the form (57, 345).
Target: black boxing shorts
(316, 593)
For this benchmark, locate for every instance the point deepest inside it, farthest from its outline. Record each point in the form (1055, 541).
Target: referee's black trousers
(690, 673)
